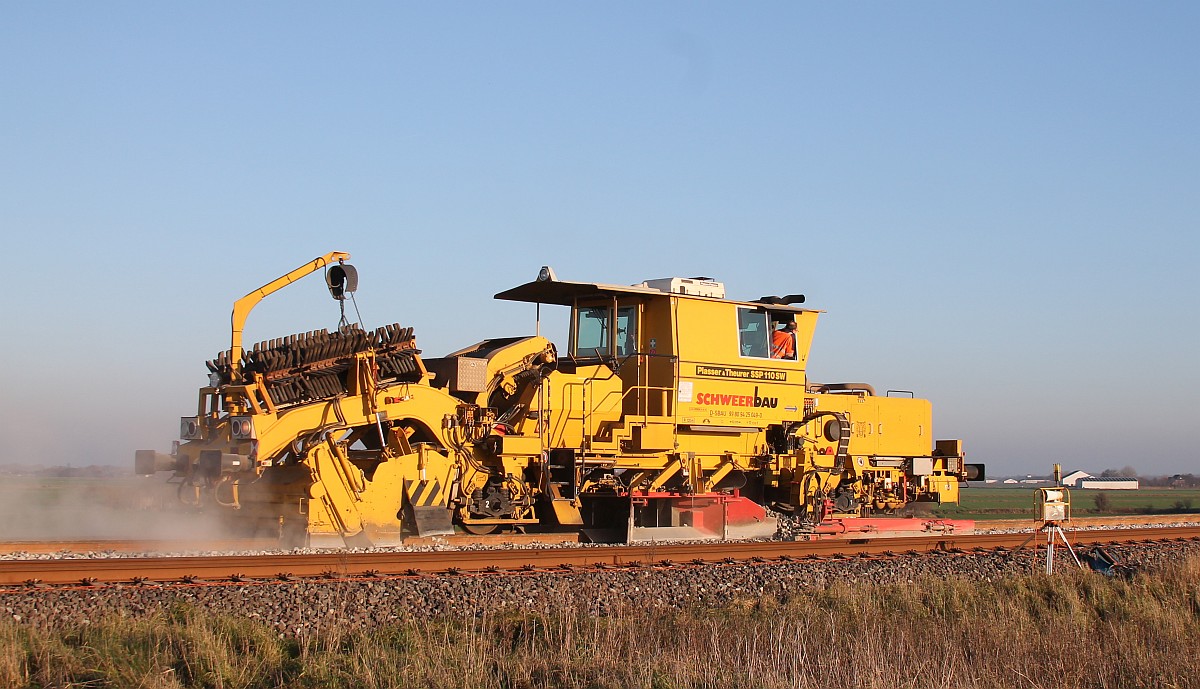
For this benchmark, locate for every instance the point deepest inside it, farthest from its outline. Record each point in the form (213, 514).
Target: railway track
(182, 546)
(1095, 522)
(341, 565)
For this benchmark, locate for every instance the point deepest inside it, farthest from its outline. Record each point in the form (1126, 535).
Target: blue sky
(995, 203)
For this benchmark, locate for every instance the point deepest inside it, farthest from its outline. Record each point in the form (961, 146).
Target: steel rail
(344, 565)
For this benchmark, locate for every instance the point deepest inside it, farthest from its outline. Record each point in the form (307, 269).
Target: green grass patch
(978, 502)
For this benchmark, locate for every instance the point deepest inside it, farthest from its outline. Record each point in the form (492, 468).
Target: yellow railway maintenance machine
(673, 412)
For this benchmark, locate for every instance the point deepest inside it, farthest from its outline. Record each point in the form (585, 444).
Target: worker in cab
(783, 341)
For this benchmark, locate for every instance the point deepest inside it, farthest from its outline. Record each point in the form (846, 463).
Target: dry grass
(1072, 630)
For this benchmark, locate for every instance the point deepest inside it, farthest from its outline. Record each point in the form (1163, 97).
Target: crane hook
(342, 280)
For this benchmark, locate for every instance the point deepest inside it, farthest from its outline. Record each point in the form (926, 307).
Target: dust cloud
(45, 505)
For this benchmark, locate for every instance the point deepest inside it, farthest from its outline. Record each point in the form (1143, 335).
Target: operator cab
(688, 319)
(766, 335)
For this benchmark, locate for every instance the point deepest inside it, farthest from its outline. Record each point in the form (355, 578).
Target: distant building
(1011, 480)
(1183, 481)
(1072, 479)
(1108, 483)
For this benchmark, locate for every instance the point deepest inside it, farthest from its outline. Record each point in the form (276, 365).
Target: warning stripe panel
(424, 493)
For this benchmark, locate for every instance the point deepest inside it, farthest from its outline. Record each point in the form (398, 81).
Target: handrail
(586, 410)
(644, 411)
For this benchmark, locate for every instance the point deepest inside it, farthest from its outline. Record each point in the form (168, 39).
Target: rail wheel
(481, 529)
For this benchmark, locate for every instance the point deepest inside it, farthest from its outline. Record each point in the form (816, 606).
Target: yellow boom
(243, 306)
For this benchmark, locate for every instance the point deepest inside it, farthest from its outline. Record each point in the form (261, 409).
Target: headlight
(241, 428)
(190, 428)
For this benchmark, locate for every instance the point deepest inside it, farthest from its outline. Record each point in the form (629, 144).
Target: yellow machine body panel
(880, 426)
(727, 376)
(580, 407)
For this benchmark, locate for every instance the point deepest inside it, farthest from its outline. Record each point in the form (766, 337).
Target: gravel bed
(981, 527)
(307, 606)
(423, 548)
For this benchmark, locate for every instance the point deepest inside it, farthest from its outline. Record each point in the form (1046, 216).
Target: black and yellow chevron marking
(425, 493)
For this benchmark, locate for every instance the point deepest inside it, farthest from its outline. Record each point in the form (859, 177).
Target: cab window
(591, 331)
(627, 341)
(754, 336)
(593, 327)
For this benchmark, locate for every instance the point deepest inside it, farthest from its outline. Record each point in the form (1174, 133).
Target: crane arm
(243, 306)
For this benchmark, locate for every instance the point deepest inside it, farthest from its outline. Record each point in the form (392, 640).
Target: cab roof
(565, 293)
